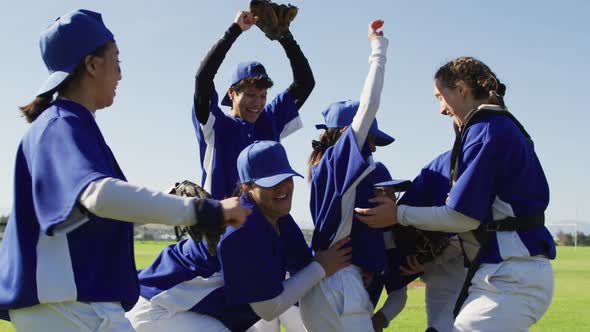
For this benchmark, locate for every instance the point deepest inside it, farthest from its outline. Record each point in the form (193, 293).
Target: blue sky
(539, 49)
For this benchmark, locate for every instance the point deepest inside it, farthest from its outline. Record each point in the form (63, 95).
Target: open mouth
(282, 197)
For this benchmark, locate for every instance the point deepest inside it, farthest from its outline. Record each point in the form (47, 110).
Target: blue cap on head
(244, 70)
(340, 114)
(67, 41)
(264, 163)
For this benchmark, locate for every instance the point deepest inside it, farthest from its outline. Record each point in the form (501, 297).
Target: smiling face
(248, 103)
(451, 101)
(107, 75)
(274, 202)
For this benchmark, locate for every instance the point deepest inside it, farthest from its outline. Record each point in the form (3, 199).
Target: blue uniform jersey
(429, 188)
(250, 266)
(499, 176)
(341, 181)
(51, 252)
(224, 136)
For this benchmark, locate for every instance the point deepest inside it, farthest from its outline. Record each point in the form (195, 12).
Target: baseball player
(340, 168)
(187, 289)
(498, 197)
(66, 260)
(222, 136)
(443, 276)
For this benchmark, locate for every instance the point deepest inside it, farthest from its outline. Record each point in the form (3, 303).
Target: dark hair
(480, 79)
(238, 190)
(32, 110)
(260, 82)
(327, 139)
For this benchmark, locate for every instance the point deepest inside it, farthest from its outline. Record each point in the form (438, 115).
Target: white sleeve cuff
(293, 289)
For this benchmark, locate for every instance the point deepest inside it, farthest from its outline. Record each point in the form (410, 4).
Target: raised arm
(371, 94)
(303, 80)
(204, 86)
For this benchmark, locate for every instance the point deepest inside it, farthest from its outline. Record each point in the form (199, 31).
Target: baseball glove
(425, 245)
(273, 19)
(209, 232)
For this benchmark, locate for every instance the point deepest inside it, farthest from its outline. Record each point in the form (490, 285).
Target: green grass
(568, 312)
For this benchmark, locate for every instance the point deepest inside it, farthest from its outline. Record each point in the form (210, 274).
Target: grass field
(568, 312)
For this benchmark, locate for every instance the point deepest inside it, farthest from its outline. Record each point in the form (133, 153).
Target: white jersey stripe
(509, 243)
(55, 275)
(291, 127)
(186, 295)
(209, 135)
(347, 205)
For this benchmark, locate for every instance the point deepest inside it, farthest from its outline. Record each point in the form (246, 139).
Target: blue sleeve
(419, 192)
(381, 173)
(68, 157)
(341, 165)
(250, 271)
(473, 192)
(284, 113)
(339, 169)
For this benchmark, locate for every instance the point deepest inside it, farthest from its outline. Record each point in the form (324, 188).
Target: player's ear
(231, 93)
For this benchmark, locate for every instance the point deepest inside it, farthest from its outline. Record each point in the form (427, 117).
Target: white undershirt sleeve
(115, 199)
(371, 94)
(435, 218)
(293, 289)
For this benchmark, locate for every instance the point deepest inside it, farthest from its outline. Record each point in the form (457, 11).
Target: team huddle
(471, 224)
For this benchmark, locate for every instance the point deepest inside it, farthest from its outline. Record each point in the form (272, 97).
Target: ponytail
(327, 139)
(37, 106)
(42, 101)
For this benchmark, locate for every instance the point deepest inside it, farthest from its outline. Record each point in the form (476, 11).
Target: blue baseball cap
(340, 115)
(67, 41)
(244, 70)
(264, 163)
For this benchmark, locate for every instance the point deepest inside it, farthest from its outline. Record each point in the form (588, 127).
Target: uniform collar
(74, 107)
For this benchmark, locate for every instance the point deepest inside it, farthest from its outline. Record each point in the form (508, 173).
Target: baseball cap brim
(271, 181)
(53, 81)
(226, 101)
(382, 139)
(400, 185)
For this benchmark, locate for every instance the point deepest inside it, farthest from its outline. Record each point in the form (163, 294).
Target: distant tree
(561, 235)
(3, 220)
(569, 240)
(583, 239)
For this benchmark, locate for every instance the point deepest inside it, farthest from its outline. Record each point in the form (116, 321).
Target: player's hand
(379, 321)
(234, 214)
(413, 266)
(381, 216)
(245, 19)
(335, 258)
(375, 29)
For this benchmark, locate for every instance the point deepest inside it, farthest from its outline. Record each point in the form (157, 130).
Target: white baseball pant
(71, 317)
(339, 303)
(148, 317)
(444, 279)
(509, 296)
(290, 319)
